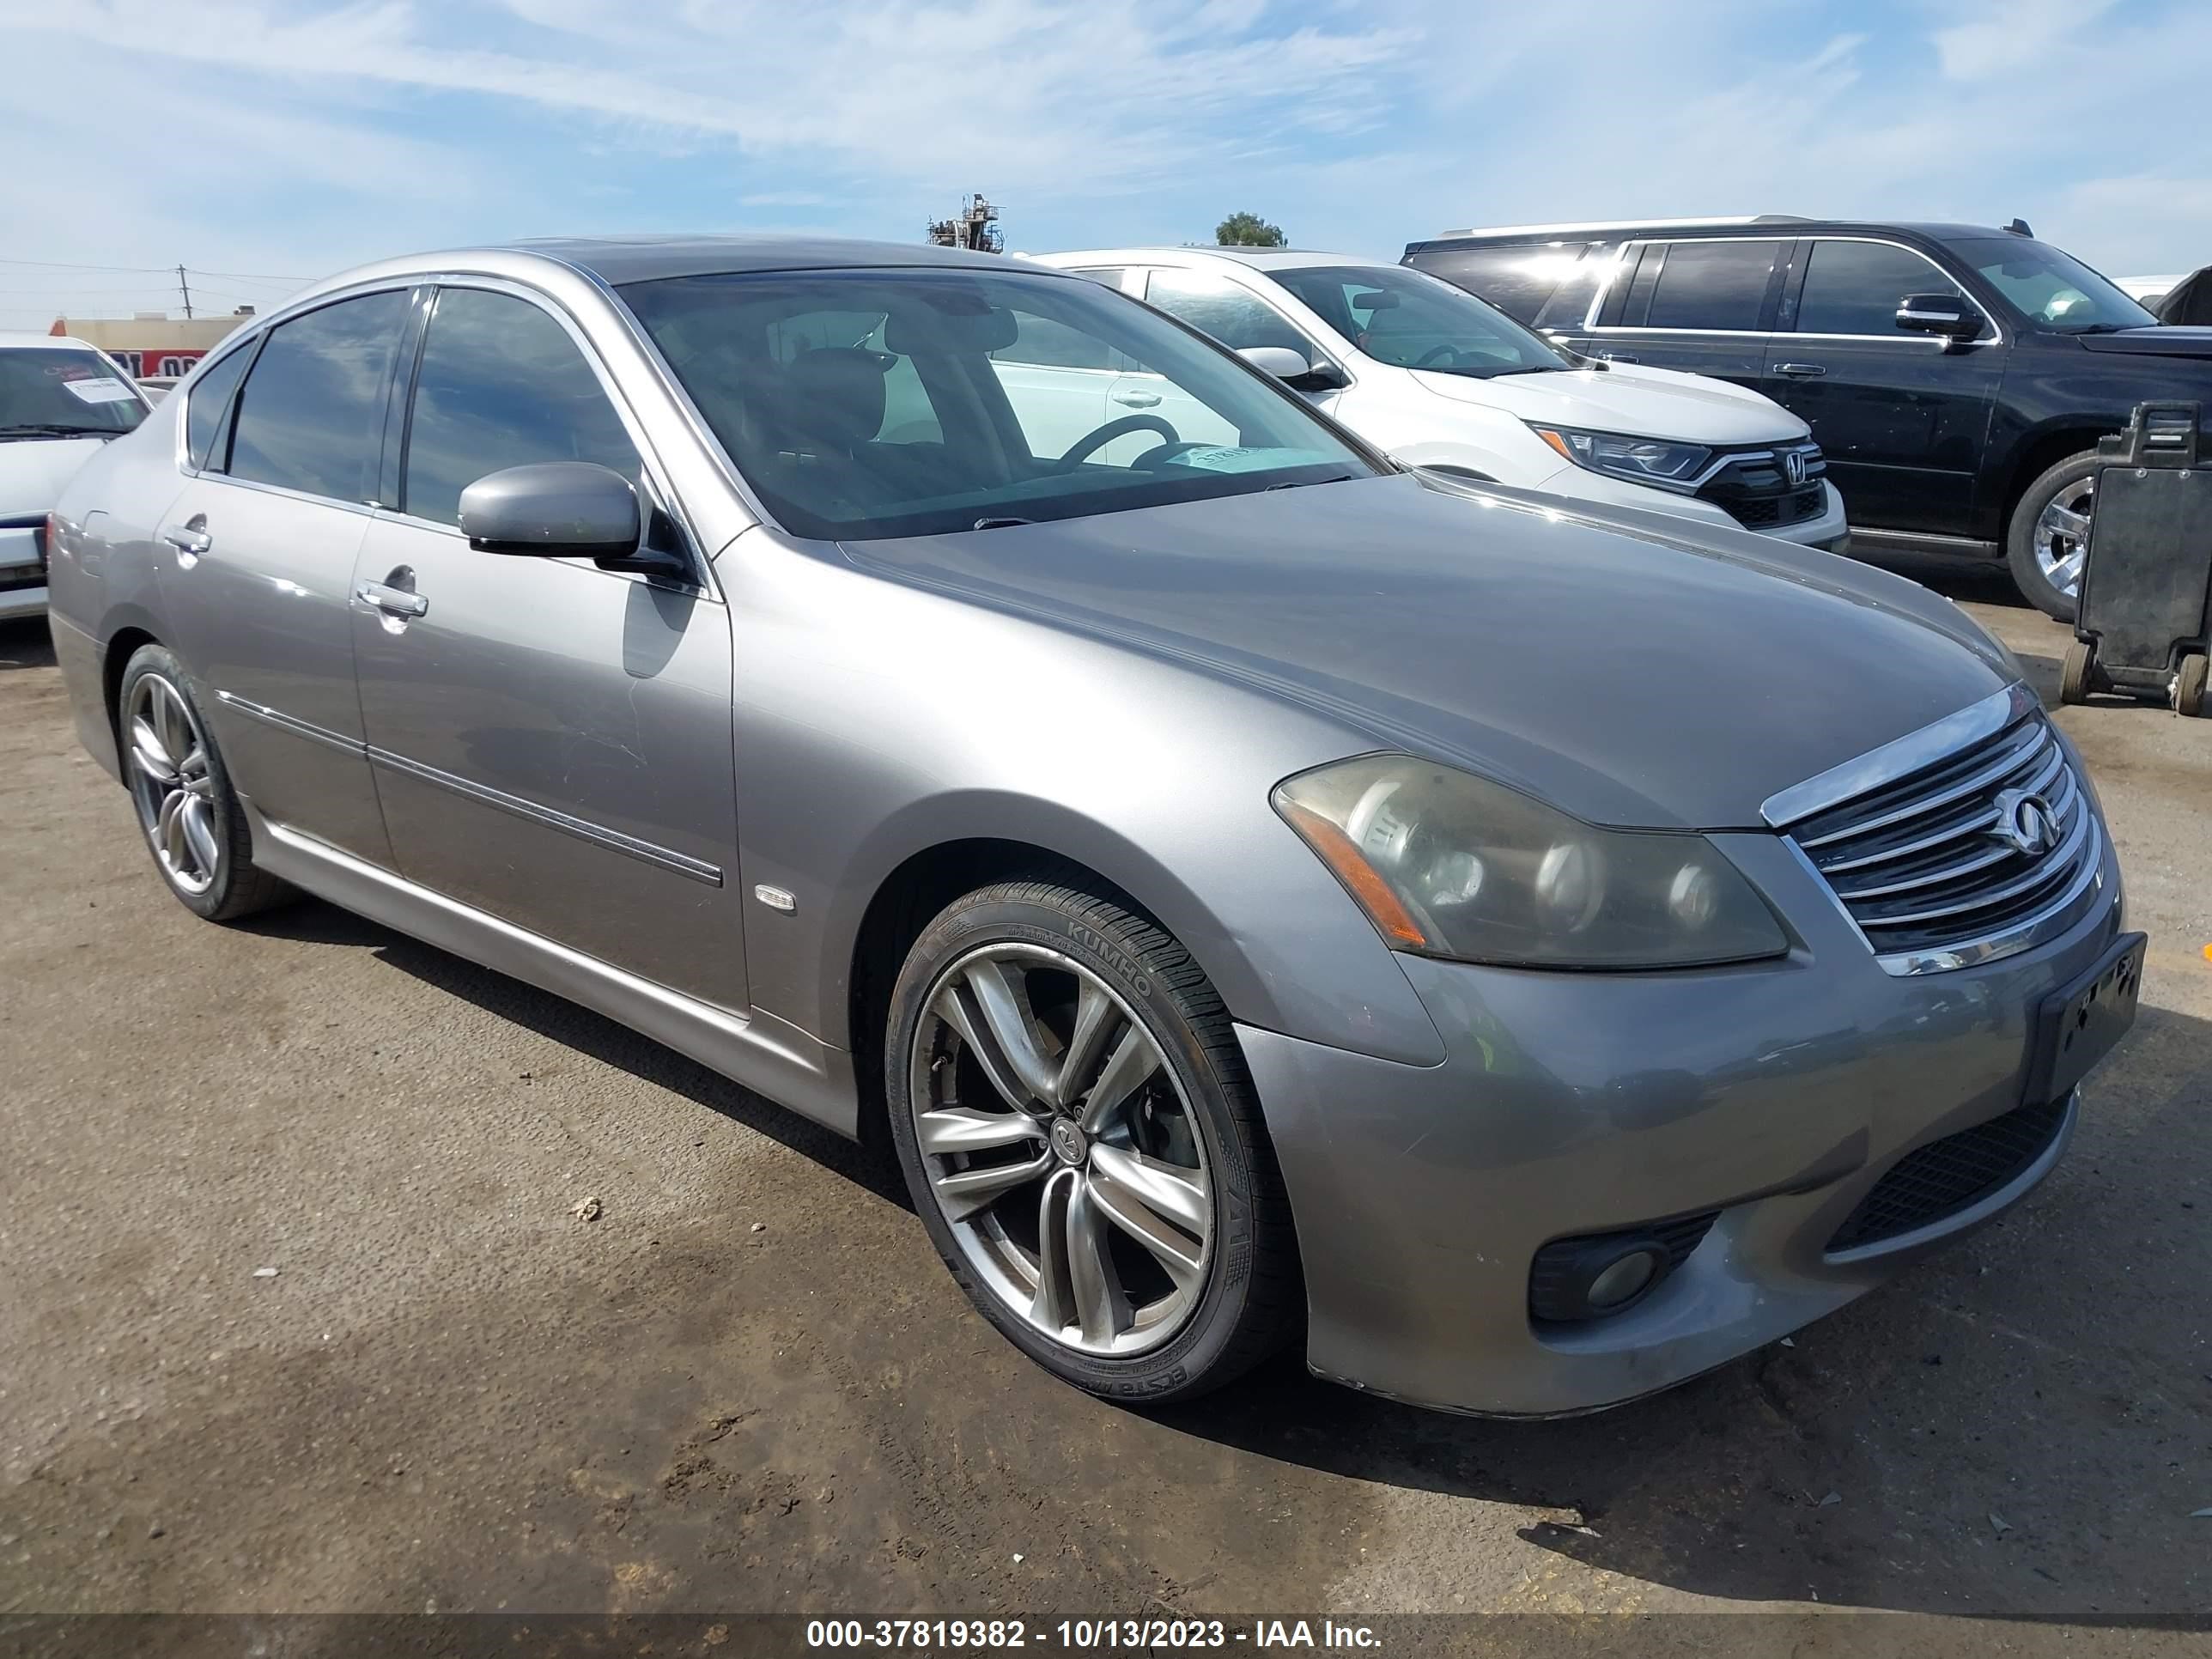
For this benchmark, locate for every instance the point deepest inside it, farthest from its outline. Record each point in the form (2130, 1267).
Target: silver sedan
(1528, 953)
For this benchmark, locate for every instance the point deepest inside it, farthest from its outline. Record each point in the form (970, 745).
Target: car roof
(618, 260)
(1781, 224)
(1260, 259)
(24, 340)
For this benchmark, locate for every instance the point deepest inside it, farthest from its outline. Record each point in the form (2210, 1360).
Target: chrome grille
(1964, 844)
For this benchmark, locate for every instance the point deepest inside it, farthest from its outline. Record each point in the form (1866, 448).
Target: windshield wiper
(2097, 328)
(1301, 483)
(1529, 368)
(56, 429)
(998, 524)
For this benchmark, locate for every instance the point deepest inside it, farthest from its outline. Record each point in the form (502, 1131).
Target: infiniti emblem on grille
(2026, 823)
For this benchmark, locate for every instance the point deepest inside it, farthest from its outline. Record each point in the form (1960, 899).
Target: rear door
(1903, 419)
(551, 740)
(257, 556)
(1703, 306)
(1058, 379)
(1232, 314)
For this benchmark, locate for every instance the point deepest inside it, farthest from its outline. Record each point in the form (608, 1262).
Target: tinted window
(1216, 306)
(210, 401)
(811, 434)
(311, 415)
(67, 390)
(1853, 287)
(1711, 285)
(502, 385)
(1519, 281)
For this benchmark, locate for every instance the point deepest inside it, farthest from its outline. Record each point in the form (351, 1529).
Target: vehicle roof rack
(1700, 222)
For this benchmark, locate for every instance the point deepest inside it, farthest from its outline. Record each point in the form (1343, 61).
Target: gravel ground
(748, 1385)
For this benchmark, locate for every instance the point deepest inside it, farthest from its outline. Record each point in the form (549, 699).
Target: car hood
(2164, 342)
(33, 470)
(1646, 403)
(1628, 667)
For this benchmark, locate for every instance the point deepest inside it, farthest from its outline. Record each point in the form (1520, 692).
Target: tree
(1249, 230)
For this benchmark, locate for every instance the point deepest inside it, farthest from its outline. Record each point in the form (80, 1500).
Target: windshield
(1410, 320)
(2052, 288)
(865, 404)
(50, 394)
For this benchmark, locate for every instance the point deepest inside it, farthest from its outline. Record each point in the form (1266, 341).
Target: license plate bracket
(2081, 1022)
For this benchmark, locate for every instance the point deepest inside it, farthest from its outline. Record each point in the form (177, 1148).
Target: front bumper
(22, 573)
(1830, 529)
(1777, 1093)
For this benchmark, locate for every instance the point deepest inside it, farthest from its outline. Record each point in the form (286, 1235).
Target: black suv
(1957, 378)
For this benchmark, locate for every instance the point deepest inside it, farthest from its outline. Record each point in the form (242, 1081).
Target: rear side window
(1521, 281)
(209, 395)
(1054, 345)
(501, 383)
(311, 415)
(1853, 287)
(1709, 285)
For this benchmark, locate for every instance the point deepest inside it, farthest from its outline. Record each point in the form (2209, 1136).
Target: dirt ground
(750, 1387)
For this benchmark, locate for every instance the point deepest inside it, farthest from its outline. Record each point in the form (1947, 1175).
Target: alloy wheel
(171, 784)
(2062, 535)
(1062, 1149)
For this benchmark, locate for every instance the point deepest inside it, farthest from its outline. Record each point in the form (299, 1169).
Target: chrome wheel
(1062, 1149)
(2062, 535)
(170, 783)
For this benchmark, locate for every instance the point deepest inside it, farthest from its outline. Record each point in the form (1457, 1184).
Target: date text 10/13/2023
(1084, 1634)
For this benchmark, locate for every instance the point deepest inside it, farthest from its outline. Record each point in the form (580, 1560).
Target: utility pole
(187, 288)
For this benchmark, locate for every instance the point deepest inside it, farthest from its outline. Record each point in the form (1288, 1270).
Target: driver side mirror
(562, 509)
(1293, 368)
(1944, 315)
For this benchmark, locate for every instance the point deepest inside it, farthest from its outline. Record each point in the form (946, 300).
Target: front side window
(501, 383)
(208, 405)
(1410, 320)
(48, 391)
(806, 411)
(1217, 307)
(1521, 281)
(2050, 287)
(1709, 285)
(1854, 288)
(311, 415)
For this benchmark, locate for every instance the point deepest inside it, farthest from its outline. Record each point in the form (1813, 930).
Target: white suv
(60, 400)
(1440, 380)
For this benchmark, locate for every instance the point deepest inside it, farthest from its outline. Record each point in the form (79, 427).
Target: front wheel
(2047, 542)
(1076, 1125)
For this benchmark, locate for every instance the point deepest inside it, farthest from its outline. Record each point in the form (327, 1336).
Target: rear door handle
(1133, 399)
(1801, 371)
(189, 540)
(391, 601)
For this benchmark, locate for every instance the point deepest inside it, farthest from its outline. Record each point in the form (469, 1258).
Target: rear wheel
(2047, 541)
(2077, 673)
(192, 821)
(1074, 1121)
(2189, 685)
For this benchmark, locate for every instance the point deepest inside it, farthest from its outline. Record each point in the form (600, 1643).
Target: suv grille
(1957, 852)
(1948, 1176)
(1756, 489)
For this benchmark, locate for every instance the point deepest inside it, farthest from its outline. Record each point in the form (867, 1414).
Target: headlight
(1450, 865)
(1641, 460)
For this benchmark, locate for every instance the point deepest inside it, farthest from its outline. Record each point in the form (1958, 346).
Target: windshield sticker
(1234, 458)
(105, 389)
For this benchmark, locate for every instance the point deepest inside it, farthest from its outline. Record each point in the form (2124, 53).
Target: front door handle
(391, 601)
(1133, 399)
(1801, 371)
(189, 539)
(1615, 356)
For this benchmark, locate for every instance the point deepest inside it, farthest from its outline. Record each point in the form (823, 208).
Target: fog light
(1596, 1275)
(1627, 1279)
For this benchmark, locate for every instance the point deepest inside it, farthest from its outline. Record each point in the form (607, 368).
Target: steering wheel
(1090, 441)
(1435, 352)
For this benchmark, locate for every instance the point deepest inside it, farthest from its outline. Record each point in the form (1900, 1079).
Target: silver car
(1529, 954)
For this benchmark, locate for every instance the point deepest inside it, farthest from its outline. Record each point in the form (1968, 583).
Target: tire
(2077, 674)
(1190, 1125)
(2050, 491)
(2189, 685)
(210, 867)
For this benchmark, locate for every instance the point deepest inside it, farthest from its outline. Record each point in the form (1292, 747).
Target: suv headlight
(1658, 461)
(1449, 865)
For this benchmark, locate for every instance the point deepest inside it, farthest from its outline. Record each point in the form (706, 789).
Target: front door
(256, 558)
(1701, 306)
(1903, 419)
(551, 741)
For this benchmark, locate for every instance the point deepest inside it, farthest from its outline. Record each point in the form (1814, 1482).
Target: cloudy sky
(268, 140)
